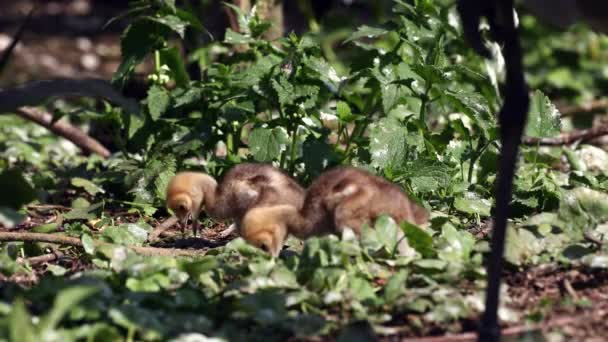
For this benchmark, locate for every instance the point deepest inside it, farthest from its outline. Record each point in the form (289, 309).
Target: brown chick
(339, 198)
(242, 187)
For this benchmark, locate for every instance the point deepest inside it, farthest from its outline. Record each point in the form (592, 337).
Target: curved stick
(64, 129)
(35, 93)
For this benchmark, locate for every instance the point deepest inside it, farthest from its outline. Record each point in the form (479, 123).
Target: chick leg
(195, 224)
(512, 119)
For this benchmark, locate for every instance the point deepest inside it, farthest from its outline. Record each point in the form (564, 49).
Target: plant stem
(294, 142)
(157, 61)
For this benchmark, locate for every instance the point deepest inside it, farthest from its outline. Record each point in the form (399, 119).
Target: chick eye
(264, 248)
(182, 207)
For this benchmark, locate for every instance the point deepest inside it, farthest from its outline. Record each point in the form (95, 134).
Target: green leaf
(16, 191)
(387, 143)
(158, 101)
(456, 246)
(90, 187)
(344, 112)
(173, 22)
(388, 232)
(21, 328)
(365, 31)
(472, 204)
(543, 117)
(88, 244)
(139, 39)
(83, 213)
(419, 239)
(285, 91)
(317, 156)
(267, 144)
(9, 217)
(237, 38)
(164, 176)
(64, 302)
(129, 234)
(395, 286)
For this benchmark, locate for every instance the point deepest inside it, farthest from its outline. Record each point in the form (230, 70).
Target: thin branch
(586, 108)
(72, 241)
(570, 137)
(37, 92)
(162, 227)
(64, 129)
(40, 258)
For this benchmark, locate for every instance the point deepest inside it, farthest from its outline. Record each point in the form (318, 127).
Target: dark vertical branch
(512, 120)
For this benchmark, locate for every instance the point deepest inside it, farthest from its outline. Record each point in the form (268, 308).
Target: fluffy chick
(244, 186)
(339, 198)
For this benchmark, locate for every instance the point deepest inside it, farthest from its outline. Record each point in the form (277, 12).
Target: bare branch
(72, 241)
(37, 92)
(40, 258)
(570, 137)
(64, 129)
(586, 108)
(161, 228)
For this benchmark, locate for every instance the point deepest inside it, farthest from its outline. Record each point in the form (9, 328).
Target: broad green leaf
(472, 204)
(128, 234)
(64, 302)
(522, 246)
(87, 185)
(365, 31)
(395, 286)
(388, 232)
(173, 22)
(317, 155)
(164, 176)
(88, 244)
(267, 144)
(285, 91)
(139, 39)
(237, 38)
(543, 117)
(21, 328)
(419, 239)
(87, 213)
(456, 246)
(9, 217)
(158, 101)
(388, 143)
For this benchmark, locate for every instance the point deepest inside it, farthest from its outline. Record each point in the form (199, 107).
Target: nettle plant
(414, 105)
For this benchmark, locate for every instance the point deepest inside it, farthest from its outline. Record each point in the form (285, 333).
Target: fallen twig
(570, 137)
(72, 241)
(162, 227)
(48, 207)
(37, 92)
(589, 107)
(40, 258)
(64, 129)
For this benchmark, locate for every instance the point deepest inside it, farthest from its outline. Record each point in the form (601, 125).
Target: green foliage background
(406, 99)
